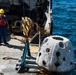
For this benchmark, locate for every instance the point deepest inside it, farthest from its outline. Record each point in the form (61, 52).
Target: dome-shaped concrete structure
(56, 54)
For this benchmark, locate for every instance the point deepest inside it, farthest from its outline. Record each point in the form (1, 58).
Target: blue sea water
(64, 19)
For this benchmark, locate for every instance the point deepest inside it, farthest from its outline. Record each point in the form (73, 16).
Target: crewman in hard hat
(3, 25)
(4, 16)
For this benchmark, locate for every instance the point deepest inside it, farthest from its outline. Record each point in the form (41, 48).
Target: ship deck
(9, 56)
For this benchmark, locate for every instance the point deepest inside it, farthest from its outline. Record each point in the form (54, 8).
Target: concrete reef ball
(56, 54)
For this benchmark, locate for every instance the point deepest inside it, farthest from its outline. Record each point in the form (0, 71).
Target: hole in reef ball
(47, 50)
(58, 38)
(71, 63)
(61, 44)
(39, 54)
(64, 59)
(44, 63)
(46, 40)
(57, 54)
(57, 64)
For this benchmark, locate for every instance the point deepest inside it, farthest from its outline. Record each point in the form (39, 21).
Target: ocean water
(64, 19)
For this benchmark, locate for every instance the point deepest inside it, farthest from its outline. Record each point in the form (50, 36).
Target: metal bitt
(26, 51)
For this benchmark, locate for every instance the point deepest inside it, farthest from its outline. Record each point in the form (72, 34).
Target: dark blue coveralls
(3, 34)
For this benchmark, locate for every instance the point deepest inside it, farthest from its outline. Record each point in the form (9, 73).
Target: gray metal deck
(12, 55)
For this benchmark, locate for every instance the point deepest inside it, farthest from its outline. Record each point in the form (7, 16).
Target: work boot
(0, 44)
(6, 43)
